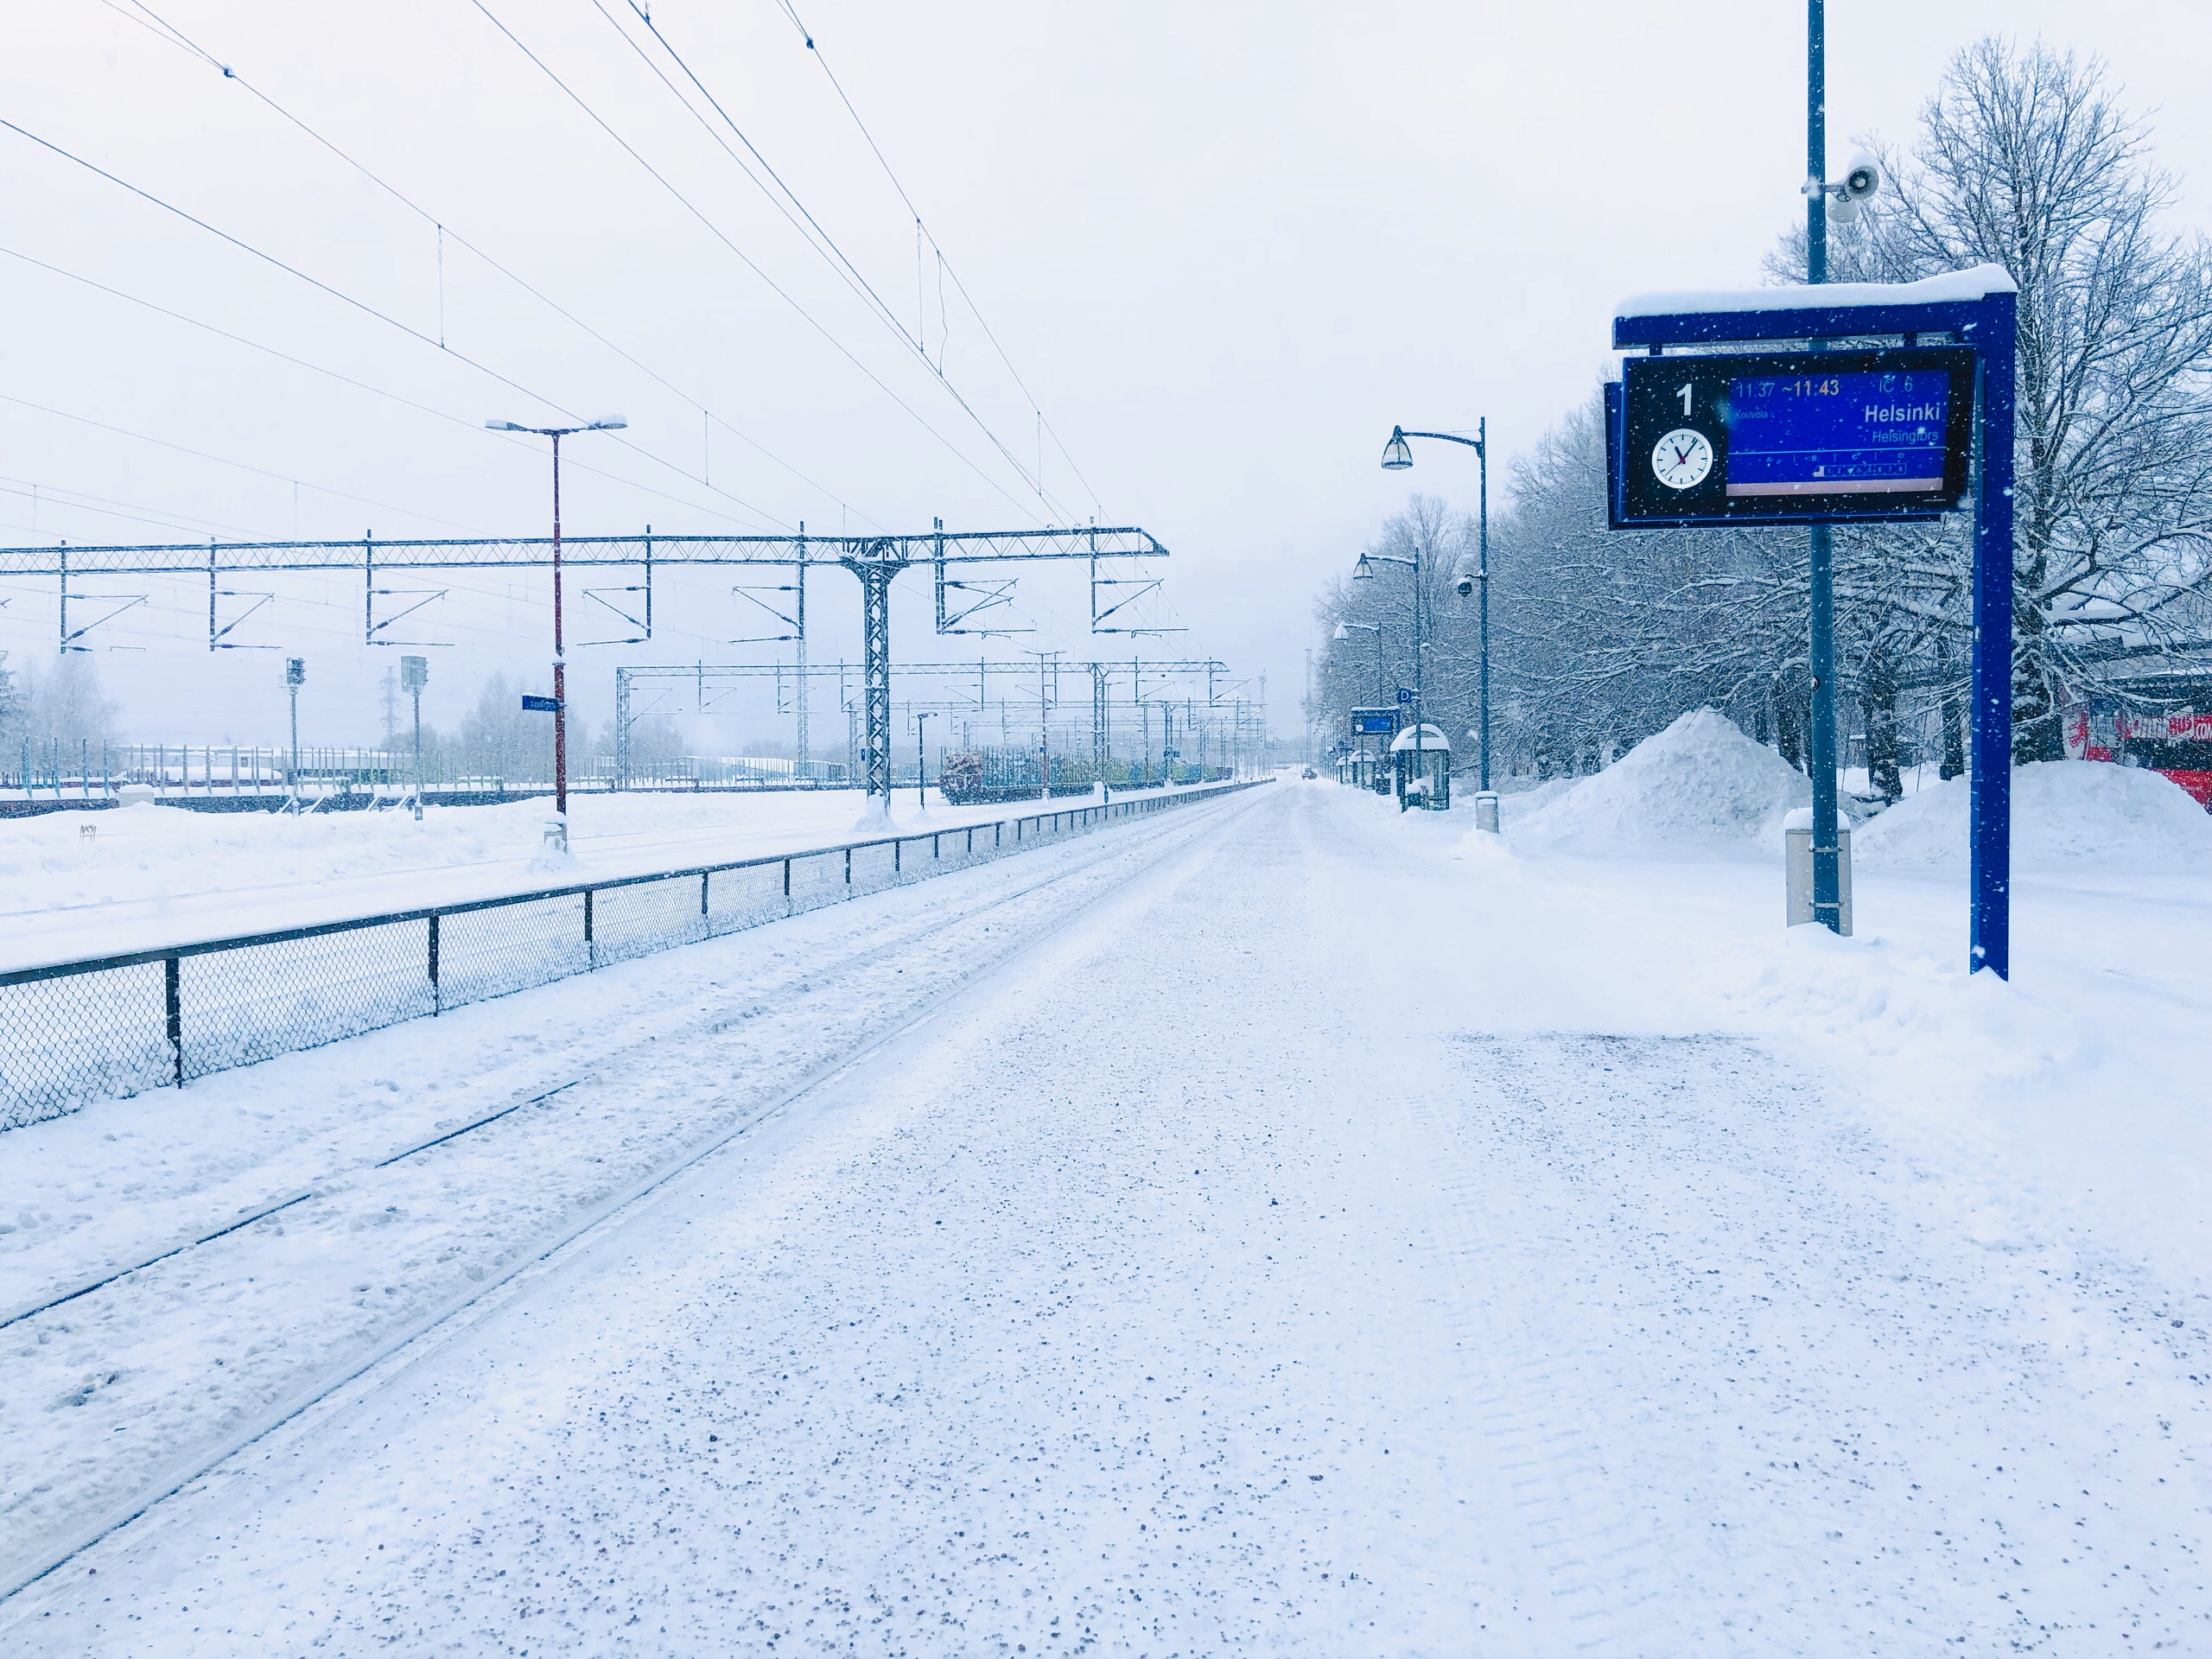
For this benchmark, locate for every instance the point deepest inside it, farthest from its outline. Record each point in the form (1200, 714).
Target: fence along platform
(72, 1033)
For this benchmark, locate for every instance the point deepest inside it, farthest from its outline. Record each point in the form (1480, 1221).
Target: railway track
(1137, 851)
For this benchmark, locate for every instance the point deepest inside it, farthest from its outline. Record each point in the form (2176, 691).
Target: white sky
(1226, 247)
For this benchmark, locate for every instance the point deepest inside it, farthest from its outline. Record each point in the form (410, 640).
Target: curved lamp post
(1397, 455)
(610, 423)
(1365, 571)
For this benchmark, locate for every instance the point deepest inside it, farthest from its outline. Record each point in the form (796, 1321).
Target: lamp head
(1342, 632)
(608, 423)
(1363, 571)
(505, 426)
(1397, 454)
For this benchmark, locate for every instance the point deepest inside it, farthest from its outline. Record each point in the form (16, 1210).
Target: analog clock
(1683, 458)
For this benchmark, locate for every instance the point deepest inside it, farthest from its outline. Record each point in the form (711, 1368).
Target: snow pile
(1699, 784)
(2064, 813)
(1515, 808)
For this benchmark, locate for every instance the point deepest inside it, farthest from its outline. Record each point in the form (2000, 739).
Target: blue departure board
(1799, 436)
(1838, 433)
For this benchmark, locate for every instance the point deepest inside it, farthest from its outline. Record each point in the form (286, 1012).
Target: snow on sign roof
(1951, 288)
(1432, 737)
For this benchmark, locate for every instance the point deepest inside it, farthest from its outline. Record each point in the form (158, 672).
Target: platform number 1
(1682, 392)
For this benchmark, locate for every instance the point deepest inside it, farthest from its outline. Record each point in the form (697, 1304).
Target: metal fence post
(437, 998)
(591, 951)
(172, 998)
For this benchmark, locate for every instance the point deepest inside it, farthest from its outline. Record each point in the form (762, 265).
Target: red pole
(560, 669)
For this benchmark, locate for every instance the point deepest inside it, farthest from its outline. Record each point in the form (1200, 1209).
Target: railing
(192, 773)
(76, 1032)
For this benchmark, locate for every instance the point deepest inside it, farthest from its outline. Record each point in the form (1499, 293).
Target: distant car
(1309, 774)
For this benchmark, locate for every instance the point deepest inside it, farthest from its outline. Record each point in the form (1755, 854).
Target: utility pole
(799, 620)
(390, 707)
(1827, 908)
(611, 423)
(414, 675)
(1100, 712)
(921, 766)
(296, 674)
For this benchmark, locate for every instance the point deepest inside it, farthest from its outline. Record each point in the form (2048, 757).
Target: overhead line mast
(874, 561)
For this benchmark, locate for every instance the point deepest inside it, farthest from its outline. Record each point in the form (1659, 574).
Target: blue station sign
(1371, 722)
(1790, 438)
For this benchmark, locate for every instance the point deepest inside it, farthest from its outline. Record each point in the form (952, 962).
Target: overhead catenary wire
(244, 466)
(824, 243)
(750, 264)
(374, 390)
(316, 283)
(155, 23)
(945, 265)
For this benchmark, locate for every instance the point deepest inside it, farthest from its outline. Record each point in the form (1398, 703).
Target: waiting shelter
(1420, 761)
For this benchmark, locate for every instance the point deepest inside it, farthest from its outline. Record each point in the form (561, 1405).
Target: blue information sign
(533, 704)
(1863, 434)
(1369, 722)
(1826, 437)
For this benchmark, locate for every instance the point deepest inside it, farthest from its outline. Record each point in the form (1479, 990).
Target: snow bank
(1701, 785)
(2065, 813)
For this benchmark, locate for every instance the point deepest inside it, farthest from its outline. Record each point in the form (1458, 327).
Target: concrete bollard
(1486, 811)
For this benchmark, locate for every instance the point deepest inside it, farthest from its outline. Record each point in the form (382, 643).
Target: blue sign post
(1850, 436)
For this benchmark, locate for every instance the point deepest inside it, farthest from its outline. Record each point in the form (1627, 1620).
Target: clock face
(1683, 458)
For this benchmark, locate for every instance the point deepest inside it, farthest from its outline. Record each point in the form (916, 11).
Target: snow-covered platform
(1329, 1232)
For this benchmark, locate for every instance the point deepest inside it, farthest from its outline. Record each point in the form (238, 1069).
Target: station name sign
(1789, 437)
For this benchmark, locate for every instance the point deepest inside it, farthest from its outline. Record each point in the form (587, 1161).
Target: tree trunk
(1788, 722)
(1953, 707)
(1878, 696)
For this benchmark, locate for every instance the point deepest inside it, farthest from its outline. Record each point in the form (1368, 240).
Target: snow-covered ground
(148, 876)
(1336, 1231)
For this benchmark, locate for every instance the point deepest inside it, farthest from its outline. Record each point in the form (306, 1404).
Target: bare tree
(2028, 160)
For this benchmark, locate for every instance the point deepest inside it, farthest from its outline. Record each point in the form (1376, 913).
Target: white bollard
(1486, 811)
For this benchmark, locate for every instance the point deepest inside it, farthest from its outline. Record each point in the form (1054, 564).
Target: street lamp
(608, 423)
(1397, 455)
(1365, 571)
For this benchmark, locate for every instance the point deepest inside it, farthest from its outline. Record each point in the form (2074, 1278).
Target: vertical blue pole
(1820, 758)
(1991, 800)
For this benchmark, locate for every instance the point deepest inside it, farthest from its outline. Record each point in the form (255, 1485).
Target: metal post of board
(1819, 760)
(1990, 788)
(1482, 579)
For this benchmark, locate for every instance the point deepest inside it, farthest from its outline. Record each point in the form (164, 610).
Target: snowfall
(1282, 1225)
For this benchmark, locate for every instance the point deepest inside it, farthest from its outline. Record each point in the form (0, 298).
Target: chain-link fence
(78, 1032)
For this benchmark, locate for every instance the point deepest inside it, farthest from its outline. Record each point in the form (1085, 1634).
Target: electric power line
(339, 295)
(245, 467)
(363, 385)
(168, 31)
(744, 259)
(944, 265)
(820, 237)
